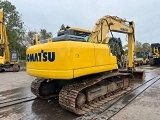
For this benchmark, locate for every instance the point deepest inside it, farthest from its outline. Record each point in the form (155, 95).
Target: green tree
(138, 46)
(30, 36)
(146, 47)
(44, 34)
(14, 27)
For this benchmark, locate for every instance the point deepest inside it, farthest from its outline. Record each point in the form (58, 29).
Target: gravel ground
(144, 107)
(12, 80)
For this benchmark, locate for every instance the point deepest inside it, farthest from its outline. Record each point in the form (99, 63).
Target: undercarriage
(14, 67)
(155, 61)
(84, 94)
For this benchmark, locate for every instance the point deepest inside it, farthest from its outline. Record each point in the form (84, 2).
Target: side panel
(95, 69)
(102, 54)
(104, 61)
(68, 59)
(56, 60)
(84, 55)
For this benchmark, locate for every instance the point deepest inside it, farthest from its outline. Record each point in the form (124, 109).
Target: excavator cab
(14, 56)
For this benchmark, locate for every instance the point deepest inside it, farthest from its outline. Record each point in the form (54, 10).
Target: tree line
(139, 47)
(20, 38)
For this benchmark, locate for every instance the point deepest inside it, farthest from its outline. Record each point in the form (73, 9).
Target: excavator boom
(112, 23)
(115, 24)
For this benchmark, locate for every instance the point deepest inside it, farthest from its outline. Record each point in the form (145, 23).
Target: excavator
(84, 74)
(155, 60)
(8, 59)
(141, 58)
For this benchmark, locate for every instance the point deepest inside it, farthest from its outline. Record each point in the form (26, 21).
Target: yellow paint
(4, 40)
(72, 59)
(2, 60)
(130, 50)
(4, 43)
(113, 23)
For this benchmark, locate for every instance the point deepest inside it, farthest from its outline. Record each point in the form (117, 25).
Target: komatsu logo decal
(124, 29)
(41, 56)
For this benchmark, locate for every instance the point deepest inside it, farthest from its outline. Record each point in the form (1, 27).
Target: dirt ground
(12, 80)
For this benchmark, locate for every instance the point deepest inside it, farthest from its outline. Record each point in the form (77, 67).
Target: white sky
(51, 14)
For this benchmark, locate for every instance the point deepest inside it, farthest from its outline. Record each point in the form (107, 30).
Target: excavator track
(36, 89)
(72, 98)
(16, 68)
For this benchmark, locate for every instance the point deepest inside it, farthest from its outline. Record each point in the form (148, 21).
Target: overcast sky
(51, 14)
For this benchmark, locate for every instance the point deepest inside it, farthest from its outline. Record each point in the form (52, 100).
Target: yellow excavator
(155, 60)
(8, 59)
(141, 58)
(84, 73)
